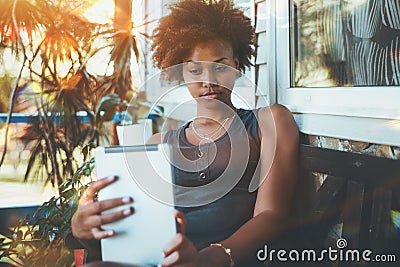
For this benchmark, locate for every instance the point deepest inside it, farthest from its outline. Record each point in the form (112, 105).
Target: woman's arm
(279, 147)
(155, 139)
(278, 159)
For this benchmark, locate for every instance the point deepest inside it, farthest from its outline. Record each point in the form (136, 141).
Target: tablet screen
(145, 174)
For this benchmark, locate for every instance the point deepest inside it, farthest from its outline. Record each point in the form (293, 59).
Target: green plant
(42, 242)
(53, 45)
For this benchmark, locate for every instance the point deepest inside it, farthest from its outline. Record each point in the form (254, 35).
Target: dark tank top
(217, 191)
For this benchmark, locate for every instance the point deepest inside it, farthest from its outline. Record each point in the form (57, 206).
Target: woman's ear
(238, 73)
(236, 60)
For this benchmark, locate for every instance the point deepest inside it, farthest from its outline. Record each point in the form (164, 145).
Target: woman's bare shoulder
(277, 111)
(155, 139)
(278, 118)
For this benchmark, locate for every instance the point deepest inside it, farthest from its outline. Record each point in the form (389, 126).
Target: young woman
(226, 223)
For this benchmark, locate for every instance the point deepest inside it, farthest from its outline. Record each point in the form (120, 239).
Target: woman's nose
(208, 78)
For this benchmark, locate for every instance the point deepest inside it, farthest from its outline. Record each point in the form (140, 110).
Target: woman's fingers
(179, 238)
(174, 244)
(181, 219)
(91, 192)
(100, 234)
(100, 206)
(88, 219)
(102, 219)
(179, 251)
(172, 259)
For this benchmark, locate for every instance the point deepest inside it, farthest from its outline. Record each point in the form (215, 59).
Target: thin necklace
(209, 137)
(204, 171)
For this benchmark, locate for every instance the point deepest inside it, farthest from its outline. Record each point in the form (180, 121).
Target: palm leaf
(106, 109)
(20, 16)
(59, 46)
(33, 158)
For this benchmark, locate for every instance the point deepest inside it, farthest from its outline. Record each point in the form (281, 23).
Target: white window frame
(369, 114)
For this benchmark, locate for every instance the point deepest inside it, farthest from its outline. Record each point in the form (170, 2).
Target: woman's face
(210, 71)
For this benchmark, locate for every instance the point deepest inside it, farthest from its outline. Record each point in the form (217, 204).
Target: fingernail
(127, 200)
(110, 232)
(112, 178)
(127, 212)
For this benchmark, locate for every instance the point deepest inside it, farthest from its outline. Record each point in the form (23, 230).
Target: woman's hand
(180, 251)
(87, 221)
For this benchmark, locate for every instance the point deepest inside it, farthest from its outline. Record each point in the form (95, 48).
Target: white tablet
(144, 173)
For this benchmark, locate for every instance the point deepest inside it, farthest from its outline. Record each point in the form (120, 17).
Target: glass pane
(13, 190)
(345, 43)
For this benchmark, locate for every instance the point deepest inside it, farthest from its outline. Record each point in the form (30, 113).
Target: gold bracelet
(226, 250)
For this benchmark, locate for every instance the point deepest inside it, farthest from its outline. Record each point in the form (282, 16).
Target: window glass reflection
(345, 43)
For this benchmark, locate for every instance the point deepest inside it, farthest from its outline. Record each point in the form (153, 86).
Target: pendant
(202, 160)
(202, 176)
(203, 141)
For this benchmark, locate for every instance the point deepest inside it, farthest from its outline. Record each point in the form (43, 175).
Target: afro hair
(193, 21)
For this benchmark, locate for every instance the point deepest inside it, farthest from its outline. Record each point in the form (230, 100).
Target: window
(338, 67)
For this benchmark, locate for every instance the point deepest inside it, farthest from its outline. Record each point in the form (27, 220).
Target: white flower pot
(135, 134)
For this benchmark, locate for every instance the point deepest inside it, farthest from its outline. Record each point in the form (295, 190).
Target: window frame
(342, 112)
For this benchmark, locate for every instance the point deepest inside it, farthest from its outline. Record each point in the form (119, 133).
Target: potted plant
(39, 241)
(53, 46)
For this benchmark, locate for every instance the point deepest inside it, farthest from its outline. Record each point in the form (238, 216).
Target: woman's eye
(221, 67)
(195, 71)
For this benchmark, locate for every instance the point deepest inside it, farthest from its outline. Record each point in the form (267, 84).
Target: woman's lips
(210, 95)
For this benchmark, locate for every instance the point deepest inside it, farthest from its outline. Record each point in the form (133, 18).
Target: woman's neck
(212, 116)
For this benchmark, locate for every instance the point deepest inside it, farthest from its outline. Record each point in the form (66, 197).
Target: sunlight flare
(99, 11)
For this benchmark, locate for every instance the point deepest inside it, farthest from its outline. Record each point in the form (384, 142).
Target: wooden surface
(359, 192)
